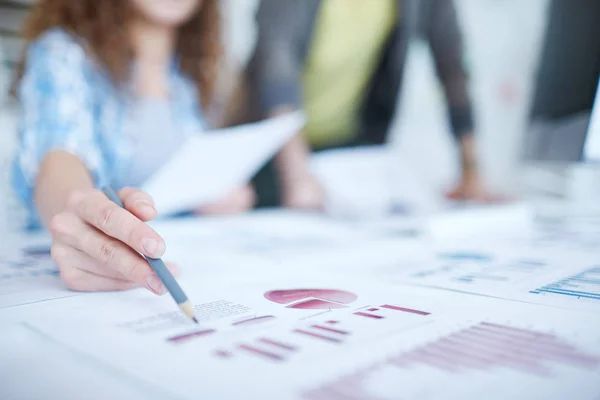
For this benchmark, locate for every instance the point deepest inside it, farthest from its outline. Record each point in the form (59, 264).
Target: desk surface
(33, 364)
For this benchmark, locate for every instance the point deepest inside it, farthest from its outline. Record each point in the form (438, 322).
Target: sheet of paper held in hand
(208, 166)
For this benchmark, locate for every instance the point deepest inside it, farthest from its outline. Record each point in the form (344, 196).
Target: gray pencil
(161, 270)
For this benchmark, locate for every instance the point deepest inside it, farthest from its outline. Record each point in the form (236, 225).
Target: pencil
(161, 270)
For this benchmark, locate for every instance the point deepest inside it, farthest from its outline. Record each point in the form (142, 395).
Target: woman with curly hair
(109, 90)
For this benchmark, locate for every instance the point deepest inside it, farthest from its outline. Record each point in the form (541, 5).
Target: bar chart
(482, 347)
(326, 334)
(584, 285)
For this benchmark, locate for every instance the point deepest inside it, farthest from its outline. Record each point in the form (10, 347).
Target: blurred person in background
(108, 91)
(342, 62)
(566, 82)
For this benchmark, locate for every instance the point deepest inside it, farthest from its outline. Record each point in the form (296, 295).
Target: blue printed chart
(486, 273)
(580, 290)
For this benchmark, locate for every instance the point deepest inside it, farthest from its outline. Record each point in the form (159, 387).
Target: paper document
(288, 240)
(305, 338)
(513, 272)
(28, 274)
(515, 352)
(208, 166)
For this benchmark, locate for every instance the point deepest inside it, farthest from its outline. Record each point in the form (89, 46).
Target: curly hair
(101, 24)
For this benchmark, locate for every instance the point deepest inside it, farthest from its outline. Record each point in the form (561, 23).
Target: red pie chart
(311, 299)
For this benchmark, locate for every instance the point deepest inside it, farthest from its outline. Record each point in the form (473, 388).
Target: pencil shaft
(167, 279)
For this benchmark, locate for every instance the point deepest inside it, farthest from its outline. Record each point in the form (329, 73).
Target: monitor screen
(592, 144)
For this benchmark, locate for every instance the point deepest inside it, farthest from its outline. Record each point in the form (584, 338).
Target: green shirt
(348, 40)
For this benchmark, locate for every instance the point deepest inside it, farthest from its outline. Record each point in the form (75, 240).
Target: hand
(95, 242)
(238, 201)
(470, 188)
(303, 193)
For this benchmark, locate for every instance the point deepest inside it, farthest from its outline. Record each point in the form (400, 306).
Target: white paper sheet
(282, 340)
(514, 352)
(28, 274)
(291, 241)
(210, 165)
(247, 331)
(514, 272)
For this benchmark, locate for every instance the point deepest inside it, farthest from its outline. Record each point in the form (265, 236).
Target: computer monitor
(566, 85)
(591, 150)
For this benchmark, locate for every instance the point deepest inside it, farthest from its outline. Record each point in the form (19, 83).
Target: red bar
(373, 309)
(362, 314)
(324, 328)
(260, 352)
(332, 322)
(187, 336)
(316, 335)
(408, 310)
(278, 344)
(223, 354)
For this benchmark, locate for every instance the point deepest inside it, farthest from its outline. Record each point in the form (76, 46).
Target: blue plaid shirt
(69, 103)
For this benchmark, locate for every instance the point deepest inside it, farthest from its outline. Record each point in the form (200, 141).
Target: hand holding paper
(209, 166)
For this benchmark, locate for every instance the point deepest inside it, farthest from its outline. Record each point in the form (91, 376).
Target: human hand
(236, 202)
(470, 188)
(303, 192)
(96, 243)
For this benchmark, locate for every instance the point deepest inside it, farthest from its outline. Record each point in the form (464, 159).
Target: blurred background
(504, 42)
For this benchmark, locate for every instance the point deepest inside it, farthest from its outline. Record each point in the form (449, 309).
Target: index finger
(97, 210)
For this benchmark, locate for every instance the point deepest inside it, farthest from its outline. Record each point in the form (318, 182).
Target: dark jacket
(285, 30)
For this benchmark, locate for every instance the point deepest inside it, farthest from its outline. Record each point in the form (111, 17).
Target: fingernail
(147, 209)
(153, 248)
(144, 203)
(155, 285)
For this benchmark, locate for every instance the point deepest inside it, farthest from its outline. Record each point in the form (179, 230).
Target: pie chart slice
(311, 299)
(315, 304)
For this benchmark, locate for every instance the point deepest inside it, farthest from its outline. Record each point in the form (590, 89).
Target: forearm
(292, 161)
(468, 153)
(60, 173)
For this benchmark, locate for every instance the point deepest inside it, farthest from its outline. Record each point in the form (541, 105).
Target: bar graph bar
(327, 329)
(223, 354)
(262, 353)
(280, 345)
(482, 347)
(318, 336)
(185, 337)
(254, 320)
(408, 310)
(466, 256)
(332, 322)
(367, 315)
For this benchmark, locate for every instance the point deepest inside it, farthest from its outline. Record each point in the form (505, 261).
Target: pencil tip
(194, 319)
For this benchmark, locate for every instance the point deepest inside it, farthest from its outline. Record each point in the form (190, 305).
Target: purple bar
(324, 328)
(408, 310)
(278, 344)
(362, 314)
(332, 322)
(223, 353)
(188, 336)
(373, 309)
(260, 352)
(316, 335)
